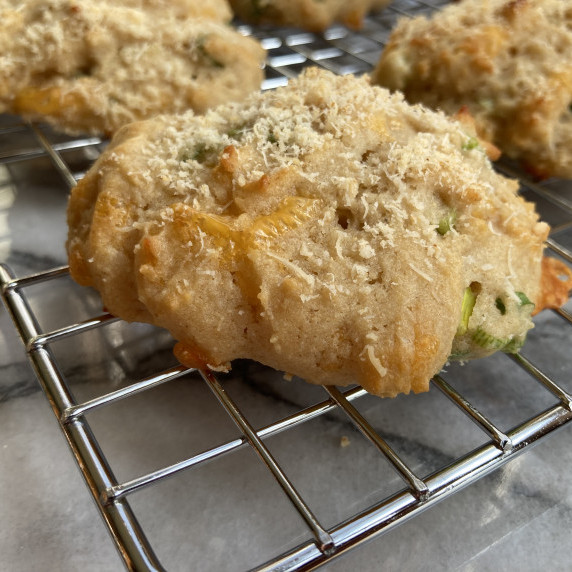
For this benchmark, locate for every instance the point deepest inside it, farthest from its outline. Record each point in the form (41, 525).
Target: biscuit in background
(212, 9)
(509, 62)
(326, 228)
(309, 14)
(94, 66)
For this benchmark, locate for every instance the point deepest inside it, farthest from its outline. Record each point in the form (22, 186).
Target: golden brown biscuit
(327, 229)
(508, 61)
(308, 14)
(213, 9)
(92, 66)
(218, 10)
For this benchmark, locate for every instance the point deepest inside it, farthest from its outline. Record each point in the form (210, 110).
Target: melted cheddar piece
(290, 214)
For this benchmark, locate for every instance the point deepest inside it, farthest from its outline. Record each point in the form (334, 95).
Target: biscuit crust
(507, 61)
(308, 14)
(94, 66)
(327, 229)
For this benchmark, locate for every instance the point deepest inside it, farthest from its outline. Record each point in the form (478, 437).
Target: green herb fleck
(258, 8)
(500, 306)
(206, 55)
(470, 144)
(272, 138)
(487, 104)
(570, 108)
(201, 152)
(447, 223)
(237, 132)
(524, 300)
(184, 155)
(469, 299)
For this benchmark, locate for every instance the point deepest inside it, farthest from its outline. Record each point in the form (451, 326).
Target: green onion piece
(237, 132)
(459, 355)
(447, 223)
(514, 345)
(470, 144)
(469, 299)
(489, 342)
(485, 340)
(524, 300)
(500, 306)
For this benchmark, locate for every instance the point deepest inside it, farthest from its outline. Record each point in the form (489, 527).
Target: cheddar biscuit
(308, 14)
(213, 9)
(507, 61)
(94, 66)
(218, 10)
(327, 229)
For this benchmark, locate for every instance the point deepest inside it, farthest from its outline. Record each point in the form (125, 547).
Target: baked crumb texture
(327, 229)
(309, 14)
(508, 61)
(94, 66)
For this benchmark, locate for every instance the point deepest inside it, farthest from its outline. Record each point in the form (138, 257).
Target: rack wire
(289, 51)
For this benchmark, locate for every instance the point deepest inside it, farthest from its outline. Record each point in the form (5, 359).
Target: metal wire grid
(341, 51)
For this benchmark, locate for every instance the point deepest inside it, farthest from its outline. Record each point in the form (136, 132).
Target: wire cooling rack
(137, 360)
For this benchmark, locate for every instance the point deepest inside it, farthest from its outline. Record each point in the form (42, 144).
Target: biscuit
(214, 9)
(327, 229)
(507, 61)
(308, 14)
(92, 67)
(218, 10)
